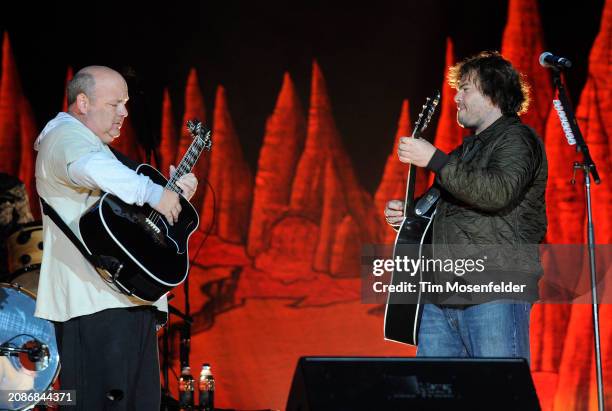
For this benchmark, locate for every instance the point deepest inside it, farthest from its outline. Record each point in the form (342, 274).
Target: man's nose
(123, 110)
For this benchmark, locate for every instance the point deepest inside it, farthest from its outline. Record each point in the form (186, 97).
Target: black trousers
(110, 358)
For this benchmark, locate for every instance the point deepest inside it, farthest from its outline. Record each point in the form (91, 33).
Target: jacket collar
(499, 124)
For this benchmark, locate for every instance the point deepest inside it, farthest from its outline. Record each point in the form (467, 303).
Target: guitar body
(403, 318)
(154, 254)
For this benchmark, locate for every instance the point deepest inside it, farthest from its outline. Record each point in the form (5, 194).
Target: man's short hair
(495, 78)
(82, 82)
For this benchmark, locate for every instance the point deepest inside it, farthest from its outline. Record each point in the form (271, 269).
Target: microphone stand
(6, 351)
(588, 168)
(35, 353)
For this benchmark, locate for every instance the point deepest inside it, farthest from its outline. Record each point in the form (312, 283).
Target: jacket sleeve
(511, 166)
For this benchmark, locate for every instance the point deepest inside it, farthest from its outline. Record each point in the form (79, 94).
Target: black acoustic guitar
(403, 311)
(151, 257)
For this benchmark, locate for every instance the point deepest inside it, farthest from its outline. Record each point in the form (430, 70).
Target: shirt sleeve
(100, 170)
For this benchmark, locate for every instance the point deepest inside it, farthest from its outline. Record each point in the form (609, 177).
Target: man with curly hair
(492, 191)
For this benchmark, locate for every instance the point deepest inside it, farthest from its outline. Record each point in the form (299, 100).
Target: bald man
(107, 340)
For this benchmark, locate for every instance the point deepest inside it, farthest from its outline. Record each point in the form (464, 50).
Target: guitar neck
(410, 188)
(188, 161)
(411, 182)
(421, 124)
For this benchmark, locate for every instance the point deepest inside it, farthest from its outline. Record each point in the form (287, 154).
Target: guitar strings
(189, 159)
(183, 168)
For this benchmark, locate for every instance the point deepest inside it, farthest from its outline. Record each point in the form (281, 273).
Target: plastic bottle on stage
(186, 388)
(207, 389)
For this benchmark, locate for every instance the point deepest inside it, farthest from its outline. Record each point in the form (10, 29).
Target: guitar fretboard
(420, 125)
(189, 159)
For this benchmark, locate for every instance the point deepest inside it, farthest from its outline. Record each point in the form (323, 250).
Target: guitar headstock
(426, 113)
(199, 130)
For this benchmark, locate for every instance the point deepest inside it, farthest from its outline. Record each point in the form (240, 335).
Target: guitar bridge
(154, 232)
(152, 226)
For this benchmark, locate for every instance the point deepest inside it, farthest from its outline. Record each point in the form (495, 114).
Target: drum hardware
(36, 351)
(29, 356)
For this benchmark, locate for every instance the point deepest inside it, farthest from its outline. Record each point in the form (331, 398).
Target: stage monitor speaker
(391, 383)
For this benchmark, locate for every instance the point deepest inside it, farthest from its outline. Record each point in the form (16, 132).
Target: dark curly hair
(496, 79)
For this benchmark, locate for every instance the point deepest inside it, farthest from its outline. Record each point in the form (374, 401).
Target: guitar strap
(128, 162)
(107, 263)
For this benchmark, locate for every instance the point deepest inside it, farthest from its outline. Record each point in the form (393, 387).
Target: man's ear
(82, 103)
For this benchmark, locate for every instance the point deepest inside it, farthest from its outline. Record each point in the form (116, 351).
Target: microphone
(550, 60)
(36, 352)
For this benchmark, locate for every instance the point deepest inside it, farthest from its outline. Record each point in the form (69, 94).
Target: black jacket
(493, 203)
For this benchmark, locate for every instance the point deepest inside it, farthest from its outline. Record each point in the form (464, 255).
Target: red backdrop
(278, 277)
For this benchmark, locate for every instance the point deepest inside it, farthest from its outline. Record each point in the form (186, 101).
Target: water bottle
(186, 388)
(207, 389)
